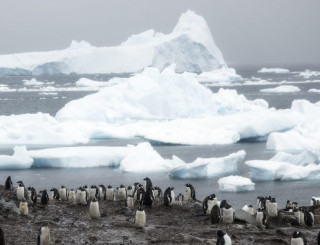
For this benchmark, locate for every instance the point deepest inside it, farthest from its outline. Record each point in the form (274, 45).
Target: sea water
(30, 99)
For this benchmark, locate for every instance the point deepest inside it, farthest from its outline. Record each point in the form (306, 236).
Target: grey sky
(247, 31)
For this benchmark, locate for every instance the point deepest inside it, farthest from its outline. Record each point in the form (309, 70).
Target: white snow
(235, 183)
(190, 46)
(281, 89)
(314, 90)
(307, 74)
(19, 159)
(85, 82)
(274, 70)
(208, 167)
(32, 82)
(304, 136)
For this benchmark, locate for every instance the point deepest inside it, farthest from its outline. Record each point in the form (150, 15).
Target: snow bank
(19, 159)
(281, 89)
(307, 74)
(235, 183)
(208, 167)
(304, 136)
(190, 46)
(274, 70)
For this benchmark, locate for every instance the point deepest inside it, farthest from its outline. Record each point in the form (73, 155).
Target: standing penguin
(94, 210)
(223, 238)
(23, 208)
(33, 195)
(140, 218)
(54, 193)
(130, 201)
(83, 196)
(71, 196)
(157, 192)
(227, 214)
(208, 204)
(44, 198)
(148, 197)
(215, 214)
(22, 192)
(272, 208)
(1, 237)
(44, 236)
(191, 193)
(261, 218)
(9, 184)
(103, 192)
(63, 193)
(168, 196)
(122, 194)
(148, 183)
(298, 238)
(110, 193)
(308, 218)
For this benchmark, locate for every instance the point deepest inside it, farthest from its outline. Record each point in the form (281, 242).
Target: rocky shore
(177, 224)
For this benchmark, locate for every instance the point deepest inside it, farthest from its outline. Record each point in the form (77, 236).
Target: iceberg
(208, 167)
(274, 70)
(190, 46)
(19, 160)
(32, 82)
(304, 136)
(235, 183)
(307, 74)
(281, 89)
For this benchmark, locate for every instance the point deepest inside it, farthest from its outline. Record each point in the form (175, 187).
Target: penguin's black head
(213, 195)
(94, 200)
(109, 186)
(146, 179)
(121, 186)
(63, 187)
(273, 199)
(296, 234)
(85, 186)
(250, 206)
(171, 188)
(259, 209)
(288, 201)
(44, 191)
(101, 186)
(20, 183)
(220, 233)
(140, 208)
(29, 188)
(93, 186)
(129, 187)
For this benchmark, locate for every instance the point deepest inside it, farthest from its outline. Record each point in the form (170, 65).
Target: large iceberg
(190, 46)
(234, 183)
(208, 167)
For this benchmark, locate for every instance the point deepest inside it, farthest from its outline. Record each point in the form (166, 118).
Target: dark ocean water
(35, 101)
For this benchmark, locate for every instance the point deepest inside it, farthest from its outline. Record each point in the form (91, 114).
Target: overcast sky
(247, 31)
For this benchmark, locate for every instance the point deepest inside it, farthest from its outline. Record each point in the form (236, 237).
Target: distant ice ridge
(208, 167)
(281, 89)
(274, 70)
(235, 183)
(19, 160)
(286, 167)
(190, 46)
(305, 136)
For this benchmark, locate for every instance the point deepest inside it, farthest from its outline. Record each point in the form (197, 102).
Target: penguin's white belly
(63, 194)
(72, 196)
(130, 202)
(20, 193)
(51, 193)
(121, 194)
(140, 218)
(259, 219)
(227, 239)
(297, 241)
(227, 215)
(45, 236)
(273, 209)
(82, 197)
(92, 193)
(110, 194)
(211, 204)
(94, 210)
(23, 208)
(172, 197)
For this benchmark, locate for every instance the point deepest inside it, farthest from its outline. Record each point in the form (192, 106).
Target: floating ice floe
(208, 167)
(190, 46)
(235, 183)
(32, 82)
(314, 90)
(305, 136)
(307, 74)
(19, 160)
(281, 89)
(274, 70)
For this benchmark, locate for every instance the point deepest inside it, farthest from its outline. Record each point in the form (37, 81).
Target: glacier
(208, 167)
(190, 46)
(234, 183)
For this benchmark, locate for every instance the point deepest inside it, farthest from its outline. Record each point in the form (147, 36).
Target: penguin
(289, 205)
(139, 193)
(140, 218)
(71, 196)
(308, 218)
(102, 192)
(248, 209)
(148, 197)
(94, 210)
(135, 188)
(55, 193)
(260, 202)
(215, 214)
(180, 198)
(297, 238)
(157, 192)
(168, 196)
(9, 184)
(208, 204)
(130, 201)
(261, 218)
(78, 191)
(300, 216)
(63, 193)
(272, 208)
(87, 189)
(44, 198)
(191, 193)
(22, 193)
(83, 196)
(130, 190)
(94, 192)
(110, 193)
(223, 238)
(122, 194)
(1, 237)
(227, 214)
(148, 183)
(318, 239)
(44, 236)
(23, 208)
(33, 195)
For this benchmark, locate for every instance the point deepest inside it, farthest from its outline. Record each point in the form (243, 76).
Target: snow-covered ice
(208, 167)
(274, 70)
(19, 160)
(234, 183)
(32, 82)
(307, 74)
(281, 89)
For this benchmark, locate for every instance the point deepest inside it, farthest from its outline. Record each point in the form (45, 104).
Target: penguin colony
(140, 196)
